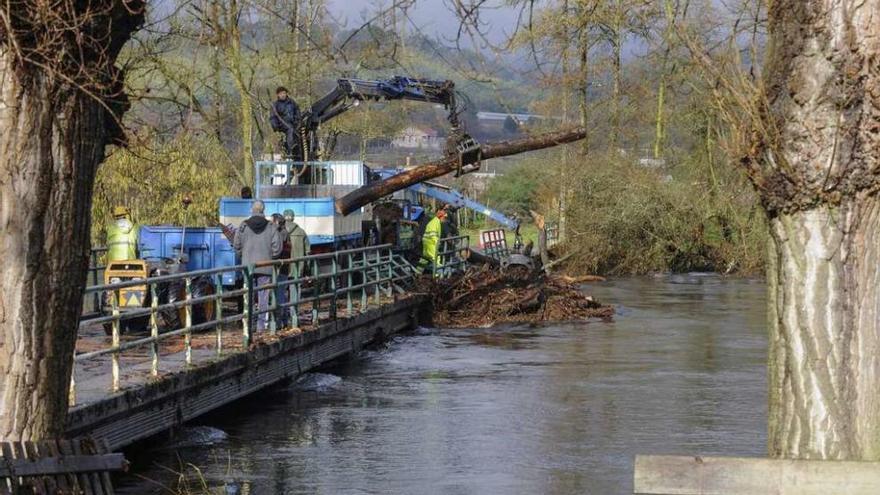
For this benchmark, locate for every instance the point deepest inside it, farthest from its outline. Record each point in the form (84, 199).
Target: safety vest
(122, 241)
(430, 241)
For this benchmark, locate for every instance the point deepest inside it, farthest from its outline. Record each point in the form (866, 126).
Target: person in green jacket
(431, 242)
(122, 236)
(296, 245)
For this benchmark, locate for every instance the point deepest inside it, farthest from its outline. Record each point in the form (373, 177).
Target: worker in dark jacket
(256, 240)
(284, 117)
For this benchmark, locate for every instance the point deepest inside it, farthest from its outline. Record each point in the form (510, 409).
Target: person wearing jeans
(256, 240)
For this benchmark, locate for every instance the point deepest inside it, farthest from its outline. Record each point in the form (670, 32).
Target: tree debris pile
(484, 296)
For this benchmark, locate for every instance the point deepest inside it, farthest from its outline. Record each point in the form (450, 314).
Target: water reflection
(560, 409)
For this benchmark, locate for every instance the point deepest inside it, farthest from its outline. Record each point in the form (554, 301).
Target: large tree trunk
(824, 375)
(816, 167)
(367, 194)
(56, 115)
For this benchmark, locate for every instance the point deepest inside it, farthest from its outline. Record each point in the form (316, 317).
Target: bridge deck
(147, 405)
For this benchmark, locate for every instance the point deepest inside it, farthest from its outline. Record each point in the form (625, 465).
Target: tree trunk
(367, 194)
(816, 166)
(617, 41)
(246, 113)
(53, 139)
(585, 83)
(824, 338)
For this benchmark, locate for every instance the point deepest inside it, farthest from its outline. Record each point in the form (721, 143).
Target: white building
(418, 138)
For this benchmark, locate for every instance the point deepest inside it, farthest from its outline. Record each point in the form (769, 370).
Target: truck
(300, 183)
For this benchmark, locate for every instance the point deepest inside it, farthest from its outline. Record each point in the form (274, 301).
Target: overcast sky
(432, 17)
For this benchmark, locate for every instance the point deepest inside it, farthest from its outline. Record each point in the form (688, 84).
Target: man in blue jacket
(285, 117)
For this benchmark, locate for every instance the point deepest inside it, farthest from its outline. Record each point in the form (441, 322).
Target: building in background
(414, 137)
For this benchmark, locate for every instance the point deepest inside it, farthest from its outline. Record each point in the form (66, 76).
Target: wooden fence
(80, 466)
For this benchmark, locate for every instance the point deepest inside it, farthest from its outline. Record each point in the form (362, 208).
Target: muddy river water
(555, 409)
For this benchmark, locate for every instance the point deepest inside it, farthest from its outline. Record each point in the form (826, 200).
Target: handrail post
(316, 291)
(293, 293)
(377, 278)
(349, 267)
(154, 331)
(334, 272)
(71, 394)
(187, 336)
(364, 278)
(114, 360)
(273, 300)
(389, 263)
(218, 311)
(247, 314)
(96, 298)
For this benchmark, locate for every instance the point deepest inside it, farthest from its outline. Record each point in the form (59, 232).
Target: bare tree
(816, 166)
(62, 101)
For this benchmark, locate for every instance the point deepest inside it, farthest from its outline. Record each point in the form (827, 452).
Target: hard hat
(121, 211)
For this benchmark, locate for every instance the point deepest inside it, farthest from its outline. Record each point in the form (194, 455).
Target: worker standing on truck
(122, 236)
(285, 117)
(431, 242)
(257, 241)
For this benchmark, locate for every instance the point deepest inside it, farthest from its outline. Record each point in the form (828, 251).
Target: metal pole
(154, 331)
(218, 308)
(364, 279)
(294, 293)
(273, 301)
(348, 308)
(316, 292)
(187, 336)
(114, 361)
(247, 306)
(71, 395)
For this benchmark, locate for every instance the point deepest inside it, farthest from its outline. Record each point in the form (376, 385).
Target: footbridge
(189, 344)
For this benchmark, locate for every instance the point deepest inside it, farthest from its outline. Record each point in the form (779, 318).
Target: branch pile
(485, 296)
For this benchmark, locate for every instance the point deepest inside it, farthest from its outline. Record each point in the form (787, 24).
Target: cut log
(367, 194)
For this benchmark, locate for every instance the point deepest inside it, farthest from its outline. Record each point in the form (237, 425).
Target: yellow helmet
(121, 211)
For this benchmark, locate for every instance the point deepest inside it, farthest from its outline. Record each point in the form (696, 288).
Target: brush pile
(484, 296)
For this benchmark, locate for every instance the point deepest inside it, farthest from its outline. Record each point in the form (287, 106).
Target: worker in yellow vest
(431, 241)
(122, 236)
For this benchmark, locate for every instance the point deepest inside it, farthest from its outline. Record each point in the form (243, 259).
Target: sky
(432, 17)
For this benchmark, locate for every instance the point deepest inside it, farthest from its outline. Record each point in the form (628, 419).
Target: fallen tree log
(369, 193)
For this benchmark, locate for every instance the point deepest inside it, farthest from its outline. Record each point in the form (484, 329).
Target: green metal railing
(304, 288)
(450, 260)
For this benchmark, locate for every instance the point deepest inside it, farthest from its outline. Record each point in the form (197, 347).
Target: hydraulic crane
(349, 93)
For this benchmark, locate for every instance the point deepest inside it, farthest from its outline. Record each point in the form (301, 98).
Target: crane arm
(349, 93)
(454, 198)
(459, 200)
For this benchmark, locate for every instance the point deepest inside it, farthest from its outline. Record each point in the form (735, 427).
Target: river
(554, 409)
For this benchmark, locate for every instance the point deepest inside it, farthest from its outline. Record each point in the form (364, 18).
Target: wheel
(176, 291)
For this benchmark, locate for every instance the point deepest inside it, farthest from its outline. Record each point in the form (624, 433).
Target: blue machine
(204, 247)
(451, 197)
